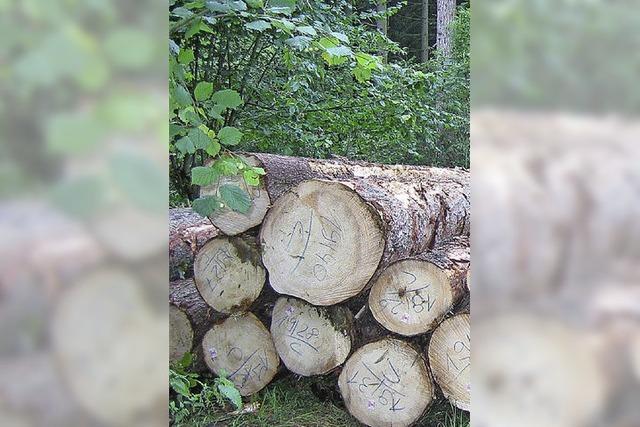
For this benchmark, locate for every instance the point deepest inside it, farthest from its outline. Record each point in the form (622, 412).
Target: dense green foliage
(308, 79)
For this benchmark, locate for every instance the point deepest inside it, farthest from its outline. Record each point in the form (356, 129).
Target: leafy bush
(307, 79)
(193, 395)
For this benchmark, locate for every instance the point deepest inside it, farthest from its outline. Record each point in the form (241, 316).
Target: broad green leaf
(203, 175)
(194, 29)
(342, 37)
(339, 51)
(185, 145)
(215, 112)
(180, 386)
(188, 115)
(175, 130)
(218, 6)
(186, 56)
(231, 393)
(284, 24)
(299, 42)
(213, 149)
(229, 135)
(227, 98)
(227, 166)
(235, 198)
(203, 91)
(206, 205)
(200, 139)
(255, 4)
(182, 12)
(251, 177)
(285, 7)
(181, 95)
(186, 360)
(258, 25)
(307, 30)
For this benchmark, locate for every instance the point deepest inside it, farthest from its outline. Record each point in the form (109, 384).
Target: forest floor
(288, 402)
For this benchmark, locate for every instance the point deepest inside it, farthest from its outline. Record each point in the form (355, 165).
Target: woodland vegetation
(315, 79)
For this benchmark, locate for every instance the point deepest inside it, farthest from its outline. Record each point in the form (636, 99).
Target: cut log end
(180, 334)
(228, 274)
(233, 223)
(386, 383)
(311, 340)
(410, 297)
(241, 348)
(321, 242)
(450, 359)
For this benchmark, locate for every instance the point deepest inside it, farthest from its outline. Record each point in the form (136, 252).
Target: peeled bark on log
(229, 274)
(311, 340)
(188, 232)
(449, 354)
(322, 241)
(184, 296)
(386, 383)
(241, 348)
(412, 296)
(233, 223)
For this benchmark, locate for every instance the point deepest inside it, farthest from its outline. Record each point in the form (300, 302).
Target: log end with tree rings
(411, 296)
(450, 359)
(311, 340)
(180, 334)
(231, 222)
(386, 383)
(241, 348)
(321, 242)
(228, 274)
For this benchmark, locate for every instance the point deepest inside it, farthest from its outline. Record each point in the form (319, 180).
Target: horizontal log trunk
(386, 383)
(188, 232)
(412, 296)
(285, 172)
(324, 240)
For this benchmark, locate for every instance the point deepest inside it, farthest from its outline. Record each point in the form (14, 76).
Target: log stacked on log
(356, 253)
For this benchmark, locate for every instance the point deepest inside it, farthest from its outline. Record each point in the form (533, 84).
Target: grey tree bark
(424, 32)
(446, 13)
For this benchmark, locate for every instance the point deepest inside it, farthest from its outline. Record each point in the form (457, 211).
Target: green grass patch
(310, 402)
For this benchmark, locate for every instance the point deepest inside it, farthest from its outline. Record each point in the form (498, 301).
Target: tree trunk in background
(424, 32)
(382, 24)
(446, 12)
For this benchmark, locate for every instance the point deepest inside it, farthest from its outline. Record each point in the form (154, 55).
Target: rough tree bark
(412, 296)
(188, 232)
(424, 32)
(446, 13)
(386, 383)
(322, 241)
(449, 355)
(311, 340)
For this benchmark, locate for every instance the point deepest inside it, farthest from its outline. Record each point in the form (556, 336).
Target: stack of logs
(367, 269)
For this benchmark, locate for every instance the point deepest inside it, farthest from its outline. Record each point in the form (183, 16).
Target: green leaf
(342, 37)
(203, 175)
(180, 386)
(258, 25)
(227, 166)
(299, 42)
(284, 24)
(182, 12)
(307, 30)
(189, 115)
(181, 95)
(200, 139)
(206, 205)
(251, 177)
(185, 145)
(229, 135)
(339, 51)
(213, 149)
(227, 98)
(235, 198)
(255, 4)
(186, 360)
(285, 7)
(203, 91)
(194, 29)
(186, 56)
(231, 393)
